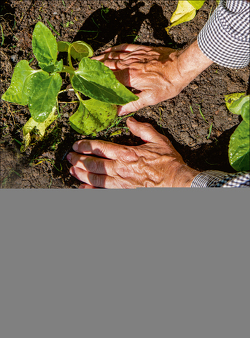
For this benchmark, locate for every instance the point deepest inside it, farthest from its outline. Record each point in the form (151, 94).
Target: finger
(144, 130)
(144, 100)
(110, 56)
(92, 164)
(117, 64)
(95, 180)
(125, 47)
(124, 77)
(86, 186)
(141, 54)
(100, 148)
(130, 78)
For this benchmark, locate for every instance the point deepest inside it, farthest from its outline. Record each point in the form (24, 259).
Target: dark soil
(44, 165)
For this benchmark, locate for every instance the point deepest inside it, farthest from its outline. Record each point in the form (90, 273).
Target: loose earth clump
(185, 119)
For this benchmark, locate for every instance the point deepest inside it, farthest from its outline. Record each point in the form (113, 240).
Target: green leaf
(63, 46)
(58, 66)
(184, 12)
(197, 4)
(236, 106)
(39, 128)
(245, 112)
(53, 67)
(97, 81)
(93, 116)
(80, 49)
(239, 148)
(44, 46)
(17, 92)
(231, 98)
(44, 89)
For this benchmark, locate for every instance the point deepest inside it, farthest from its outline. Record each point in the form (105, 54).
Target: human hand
(156, 163)
(158, 73)
(149, 70)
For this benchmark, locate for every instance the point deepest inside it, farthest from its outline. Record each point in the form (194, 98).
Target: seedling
(69, 23)
(202, 113)
(210, 131)
(39, 88)
(42, 160)
(52, 27)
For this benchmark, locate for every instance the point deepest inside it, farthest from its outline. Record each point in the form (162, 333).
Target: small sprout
(210, 130)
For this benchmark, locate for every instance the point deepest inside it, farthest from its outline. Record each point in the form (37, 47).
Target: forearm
(191, 62)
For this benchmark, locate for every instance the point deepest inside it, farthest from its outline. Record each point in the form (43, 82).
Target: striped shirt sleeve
(225, 39)
(219, 179)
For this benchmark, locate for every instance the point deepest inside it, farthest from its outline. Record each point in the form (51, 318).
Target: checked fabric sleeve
(219, 179)
(225, 38)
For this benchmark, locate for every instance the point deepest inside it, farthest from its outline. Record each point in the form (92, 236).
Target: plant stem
(69, 57)
(67, 69)
(66, 90)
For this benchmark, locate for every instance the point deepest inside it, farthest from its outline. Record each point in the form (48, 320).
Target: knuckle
(83, 146)
(113, 55)
(121, 64)
(129, 155)
(90, 164)
(137, 105)
(95, 180)
(148, 125)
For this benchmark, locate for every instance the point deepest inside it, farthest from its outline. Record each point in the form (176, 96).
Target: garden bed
(196, 121)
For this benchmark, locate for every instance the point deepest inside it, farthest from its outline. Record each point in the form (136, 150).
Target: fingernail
(69, 157)
(131, 119)
(75, 146)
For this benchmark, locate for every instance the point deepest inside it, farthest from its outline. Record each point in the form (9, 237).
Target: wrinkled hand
(151, 70)
(156, 163)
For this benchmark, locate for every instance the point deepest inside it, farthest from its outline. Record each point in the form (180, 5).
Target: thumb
(134, 105)
(144, 130)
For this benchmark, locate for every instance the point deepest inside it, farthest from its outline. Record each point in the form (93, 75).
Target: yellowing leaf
(230, 98)
(185, 11)
(183, 8)
(196, 3)
(31, 125)
(117, 132)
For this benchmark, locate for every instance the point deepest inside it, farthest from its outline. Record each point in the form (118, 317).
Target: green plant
(39, 89)
(2, 42)
(239, 145)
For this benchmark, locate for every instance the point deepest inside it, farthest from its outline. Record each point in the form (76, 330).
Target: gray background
(146, 263)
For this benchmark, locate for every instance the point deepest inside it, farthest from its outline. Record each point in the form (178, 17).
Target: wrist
(184, 176)
(190, 62)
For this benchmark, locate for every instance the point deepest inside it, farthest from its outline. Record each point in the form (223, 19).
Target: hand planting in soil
(39, 88)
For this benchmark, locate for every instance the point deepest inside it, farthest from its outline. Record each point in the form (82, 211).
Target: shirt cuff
(215, 178)
(225, 38)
